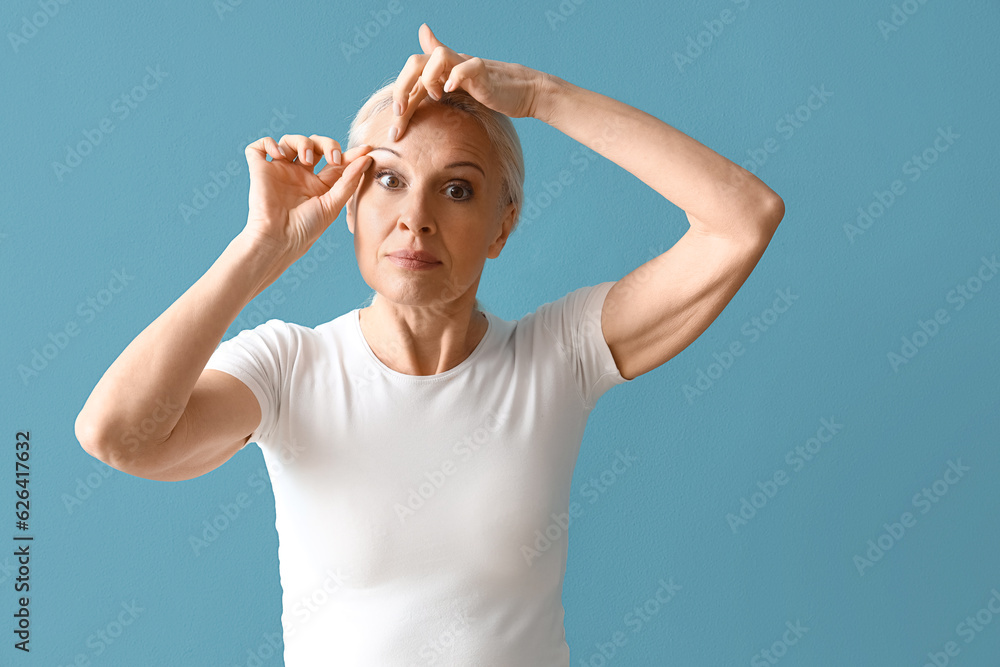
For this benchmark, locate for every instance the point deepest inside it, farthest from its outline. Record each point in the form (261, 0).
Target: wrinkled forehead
(434, 129)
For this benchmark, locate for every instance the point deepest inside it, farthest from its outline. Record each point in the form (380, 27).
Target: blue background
(793, 560)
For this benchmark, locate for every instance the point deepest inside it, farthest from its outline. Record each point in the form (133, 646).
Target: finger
(463, 72)
(436, 71)
(301, 148)
(428, 42)
(400, 124)
(402, 90)
(259, 150)
(355, 152)
(331, 171)
(333, 200)
(328, 148)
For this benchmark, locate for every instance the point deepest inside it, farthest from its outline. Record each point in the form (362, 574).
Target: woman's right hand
(290, 206)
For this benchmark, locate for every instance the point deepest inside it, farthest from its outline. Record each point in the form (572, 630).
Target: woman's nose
(416, 212)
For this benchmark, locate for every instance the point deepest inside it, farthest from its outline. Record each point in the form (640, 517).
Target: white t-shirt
(414, 513)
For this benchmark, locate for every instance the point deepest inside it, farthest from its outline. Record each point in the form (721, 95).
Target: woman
(421, 450)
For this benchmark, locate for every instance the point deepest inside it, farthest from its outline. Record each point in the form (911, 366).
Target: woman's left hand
(508, 88)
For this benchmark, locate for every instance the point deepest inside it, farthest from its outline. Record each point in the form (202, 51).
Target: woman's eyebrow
(463, 163)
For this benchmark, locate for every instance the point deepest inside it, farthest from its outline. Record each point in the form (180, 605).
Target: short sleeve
(254, 356)
(574, 322)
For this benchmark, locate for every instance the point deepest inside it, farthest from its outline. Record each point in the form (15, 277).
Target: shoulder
(573, 308)
(274, 335)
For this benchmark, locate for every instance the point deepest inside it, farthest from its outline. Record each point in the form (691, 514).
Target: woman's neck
(416, 341)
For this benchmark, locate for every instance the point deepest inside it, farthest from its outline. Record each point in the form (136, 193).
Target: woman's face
(420, 199)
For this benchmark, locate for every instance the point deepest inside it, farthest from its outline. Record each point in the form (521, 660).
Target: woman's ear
(505, 227)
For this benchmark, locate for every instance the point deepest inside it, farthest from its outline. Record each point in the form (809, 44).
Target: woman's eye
(379, 176)
(454, 190)
(462, 188)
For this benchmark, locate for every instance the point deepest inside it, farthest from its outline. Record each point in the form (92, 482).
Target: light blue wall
(856, 296)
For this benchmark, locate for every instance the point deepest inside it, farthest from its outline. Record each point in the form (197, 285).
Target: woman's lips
(408, 263)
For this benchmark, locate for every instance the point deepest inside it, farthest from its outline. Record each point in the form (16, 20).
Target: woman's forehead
(454, 156)
(433, 124)
(421, 147)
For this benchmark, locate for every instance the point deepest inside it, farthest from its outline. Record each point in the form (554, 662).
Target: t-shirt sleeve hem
(238, 370)
(612, 377)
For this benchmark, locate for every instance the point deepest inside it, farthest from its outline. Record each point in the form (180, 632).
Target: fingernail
(449, 86)
(431, 94)
(336, 156)
(393, 133)
(309, 155)
(397, 109)
(282, 151)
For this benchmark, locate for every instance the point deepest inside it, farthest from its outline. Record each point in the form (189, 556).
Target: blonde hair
(499, 130)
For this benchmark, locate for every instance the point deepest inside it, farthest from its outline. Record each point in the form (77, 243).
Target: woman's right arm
(157, 413)
(132, 412)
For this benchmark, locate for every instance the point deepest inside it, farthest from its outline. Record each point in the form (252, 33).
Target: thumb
(332, 201)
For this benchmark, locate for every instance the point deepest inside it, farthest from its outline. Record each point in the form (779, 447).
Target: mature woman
(421, 450)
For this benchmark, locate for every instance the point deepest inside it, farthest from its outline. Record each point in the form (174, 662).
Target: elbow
(773, 210)
(90, 440)
(95, 442)
(121, 450)
(768, 216)
(86, 435)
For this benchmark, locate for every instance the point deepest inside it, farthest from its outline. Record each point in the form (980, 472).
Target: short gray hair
(499, 130)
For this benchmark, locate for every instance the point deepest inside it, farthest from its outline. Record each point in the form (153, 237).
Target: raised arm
(658, 309)
(661, 307)
(156, 412)
(143, 396)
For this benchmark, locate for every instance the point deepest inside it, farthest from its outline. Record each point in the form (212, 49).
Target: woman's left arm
(651, 314)
(720, 197)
